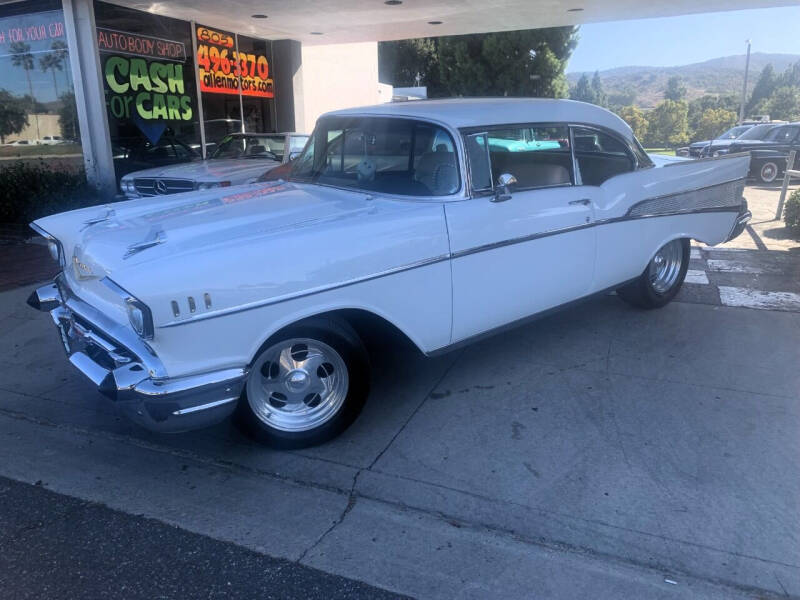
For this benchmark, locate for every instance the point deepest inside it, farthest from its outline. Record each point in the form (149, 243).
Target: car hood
(699, 144)
(127, 235)
(214, 169)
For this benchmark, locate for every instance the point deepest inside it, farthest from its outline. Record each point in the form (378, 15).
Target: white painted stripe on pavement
(736, 296)
(732, 266)
(695, 276)
(726, 249)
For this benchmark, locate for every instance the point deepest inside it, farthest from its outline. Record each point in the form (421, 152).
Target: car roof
(478, 112)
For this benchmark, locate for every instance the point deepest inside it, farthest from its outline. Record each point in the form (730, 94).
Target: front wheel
(306, 385)
(661, 279)
(768, 172)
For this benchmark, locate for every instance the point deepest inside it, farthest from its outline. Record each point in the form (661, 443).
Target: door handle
(584, 201)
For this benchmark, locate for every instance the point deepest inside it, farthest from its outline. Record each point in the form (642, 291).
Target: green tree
(13, 116)
(668, 124)
(68, 116)
(765, 85)
(625, 95)
(637, 120)
(408, 63)
(54, 61)
(583, 91)
(700, 105)
(675, 90)
(600, 97)
(713, 122)
(511, 63)
(784, 104)
(21, 57)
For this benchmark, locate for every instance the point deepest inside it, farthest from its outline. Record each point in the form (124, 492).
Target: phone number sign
(223, 70)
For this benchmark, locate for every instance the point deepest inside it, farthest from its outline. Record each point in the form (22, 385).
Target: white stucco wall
(335, 76)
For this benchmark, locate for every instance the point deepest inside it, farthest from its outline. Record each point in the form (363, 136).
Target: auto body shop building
(161, 79)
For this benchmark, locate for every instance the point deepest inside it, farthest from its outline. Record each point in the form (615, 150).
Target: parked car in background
(719, 147)
(256, 299)
(769, 153)
(239, 158)
(695, 149)
(139, 153)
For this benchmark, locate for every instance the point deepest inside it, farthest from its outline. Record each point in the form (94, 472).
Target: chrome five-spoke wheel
(665, 267)
(307, 384)
(297, 384)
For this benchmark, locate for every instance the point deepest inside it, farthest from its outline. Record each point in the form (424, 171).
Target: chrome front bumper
(125, 368)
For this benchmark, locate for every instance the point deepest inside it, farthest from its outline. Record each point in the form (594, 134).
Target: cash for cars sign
(144, 76)
(223, 70)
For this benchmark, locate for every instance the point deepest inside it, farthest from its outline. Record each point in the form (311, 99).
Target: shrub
(791, 211)
(30, 191)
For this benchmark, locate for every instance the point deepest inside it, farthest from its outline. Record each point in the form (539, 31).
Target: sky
(666, 42)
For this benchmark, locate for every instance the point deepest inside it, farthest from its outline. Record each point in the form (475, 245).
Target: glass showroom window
(36, 93)
(149, 81)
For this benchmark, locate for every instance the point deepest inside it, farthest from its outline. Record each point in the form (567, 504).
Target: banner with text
(144, 77)
(223, 70)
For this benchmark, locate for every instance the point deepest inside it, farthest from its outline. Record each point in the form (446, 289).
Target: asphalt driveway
(603, 452)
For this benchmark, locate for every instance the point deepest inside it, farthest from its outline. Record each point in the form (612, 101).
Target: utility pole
(744, 87)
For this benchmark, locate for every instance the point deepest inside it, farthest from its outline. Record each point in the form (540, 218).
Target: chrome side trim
(519, 240)
(192, 409)
(310, 292)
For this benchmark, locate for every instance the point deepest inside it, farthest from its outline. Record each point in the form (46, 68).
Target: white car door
(517, 254)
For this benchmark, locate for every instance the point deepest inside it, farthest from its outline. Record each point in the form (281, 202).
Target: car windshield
(757, 132)
(250, 146)
(380, 154)
(734, 132)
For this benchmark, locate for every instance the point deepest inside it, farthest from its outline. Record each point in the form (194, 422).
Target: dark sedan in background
(695, 149)
(769, 148)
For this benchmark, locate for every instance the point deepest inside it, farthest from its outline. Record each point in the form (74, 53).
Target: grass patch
(665, 151)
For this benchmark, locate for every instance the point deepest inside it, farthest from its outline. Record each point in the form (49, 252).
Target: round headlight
(52, 246)
(136, 317)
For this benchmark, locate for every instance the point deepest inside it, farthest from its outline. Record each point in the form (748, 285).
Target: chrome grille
(159, 186)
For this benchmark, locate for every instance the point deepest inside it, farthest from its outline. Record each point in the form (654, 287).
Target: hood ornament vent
(154, 238)
(94, 221)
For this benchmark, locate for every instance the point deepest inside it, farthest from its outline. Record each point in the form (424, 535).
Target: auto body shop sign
(144, 76)
(224, 70)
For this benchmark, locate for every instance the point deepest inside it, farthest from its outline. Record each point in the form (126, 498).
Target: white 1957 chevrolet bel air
(446, 219)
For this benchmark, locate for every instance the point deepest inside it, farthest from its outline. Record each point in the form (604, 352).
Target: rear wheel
(306, 385)
(661, 279)
(768, 172)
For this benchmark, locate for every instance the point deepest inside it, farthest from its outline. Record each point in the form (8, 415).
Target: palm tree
(21, 57)
(54, 61)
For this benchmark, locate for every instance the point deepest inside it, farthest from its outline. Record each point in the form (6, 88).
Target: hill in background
(718, 76)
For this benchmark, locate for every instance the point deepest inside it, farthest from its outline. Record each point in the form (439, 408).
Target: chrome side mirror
(502, 193)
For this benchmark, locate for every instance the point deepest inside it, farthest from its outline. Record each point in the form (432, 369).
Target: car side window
(600, 156)
(536, 155)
